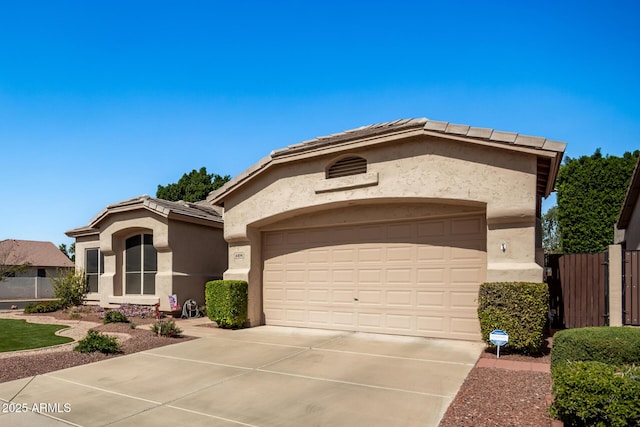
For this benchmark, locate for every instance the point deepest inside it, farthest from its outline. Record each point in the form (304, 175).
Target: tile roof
(38, 254)
(424, 125)
(187, 210)
(432, 126)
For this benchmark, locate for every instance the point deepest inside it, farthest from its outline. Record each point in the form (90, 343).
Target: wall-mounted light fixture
(503, 247)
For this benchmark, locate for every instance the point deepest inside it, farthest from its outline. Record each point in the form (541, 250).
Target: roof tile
(501, 136)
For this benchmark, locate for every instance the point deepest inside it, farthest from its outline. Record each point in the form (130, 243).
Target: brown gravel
(489, 397)
(37, 363)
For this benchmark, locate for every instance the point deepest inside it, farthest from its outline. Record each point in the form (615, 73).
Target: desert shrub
(596, 394)
(166, 328)
(518, 308)
(95, 341)
(612, 345)
(70, 288)
(114, 316)
(227, 302)
(43, 307)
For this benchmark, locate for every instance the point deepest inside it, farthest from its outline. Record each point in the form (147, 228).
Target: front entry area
(417, 277)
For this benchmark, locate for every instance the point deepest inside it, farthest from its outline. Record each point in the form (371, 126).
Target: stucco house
(42, 260)
(142, 250)
(388, 228)
(628, 225)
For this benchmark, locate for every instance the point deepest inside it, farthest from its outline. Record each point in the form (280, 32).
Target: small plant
(114, 316)
(75, 316)
(520, 309)
(95, 341)
(132, 325)
(596, 394)
(70, 288)
(612, 345)
(43, 307)
(227, 302)
(166, 328)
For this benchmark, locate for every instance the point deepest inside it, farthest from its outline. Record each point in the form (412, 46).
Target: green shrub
(596, 394)
(114, 316)
(166, 328)
(43, 307)
(612, 345)
(95, 341)
(70, 288)
(227, 302)
(520, 309)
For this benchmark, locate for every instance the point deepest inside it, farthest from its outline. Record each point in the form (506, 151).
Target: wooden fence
(631, 288)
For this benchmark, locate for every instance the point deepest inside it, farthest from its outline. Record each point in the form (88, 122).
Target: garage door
(416, 278)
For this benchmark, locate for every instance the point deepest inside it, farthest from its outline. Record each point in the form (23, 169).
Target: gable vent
(347, 166)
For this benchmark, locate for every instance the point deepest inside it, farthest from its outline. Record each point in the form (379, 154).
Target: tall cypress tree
(591, 190)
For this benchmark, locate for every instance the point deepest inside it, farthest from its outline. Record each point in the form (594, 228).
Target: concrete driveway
(266, 376)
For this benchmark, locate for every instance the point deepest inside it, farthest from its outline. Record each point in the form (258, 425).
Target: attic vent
(347, 166)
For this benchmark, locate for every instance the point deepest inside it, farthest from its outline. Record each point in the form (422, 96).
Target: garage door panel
(319, 296)
(342, 296)
(370, 276)
(399, 276)
(463, 299)
(343, 255)
(344, 319)
(431, 300)
(413, 278)
(400, 298)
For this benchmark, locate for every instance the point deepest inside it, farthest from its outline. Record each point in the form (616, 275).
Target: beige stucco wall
(424, 172)
(188, 255)
(632, 233)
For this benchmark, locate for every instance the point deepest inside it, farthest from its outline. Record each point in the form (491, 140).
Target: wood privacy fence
(631, 288)
(579, 291)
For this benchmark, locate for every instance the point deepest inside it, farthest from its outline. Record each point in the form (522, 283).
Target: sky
(101, 101)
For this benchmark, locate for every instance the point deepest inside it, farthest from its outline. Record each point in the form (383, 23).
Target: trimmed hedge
(596, 394)
(43, 307)
(227, 302)
(612, 345)
(518, 308)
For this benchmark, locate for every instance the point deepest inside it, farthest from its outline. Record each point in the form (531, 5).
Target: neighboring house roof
(549, 152)
(631, 198)
(199, 212)
(38, 254)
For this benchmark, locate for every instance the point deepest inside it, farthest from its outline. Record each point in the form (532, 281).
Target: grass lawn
(20, 335)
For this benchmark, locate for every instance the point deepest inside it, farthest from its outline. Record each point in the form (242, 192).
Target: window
(141, 265)
(42, 272)
(347, 166)
(93, 268)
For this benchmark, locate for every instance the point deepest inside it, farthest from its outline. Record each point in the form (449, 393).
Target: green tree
(70, 252)
(192, 187)
(591, 190)
(550, 231)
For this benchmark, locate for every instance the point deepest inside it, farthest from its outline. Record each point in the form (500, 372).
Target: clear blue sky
(101, 101)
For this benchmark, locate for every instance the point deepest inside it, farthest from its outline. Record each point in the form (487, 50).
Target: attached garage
(417, 277)
(389, 228)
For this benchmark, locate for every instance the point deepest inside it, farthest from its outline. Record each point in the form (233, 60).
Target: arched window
(346, 166)
(141, 265)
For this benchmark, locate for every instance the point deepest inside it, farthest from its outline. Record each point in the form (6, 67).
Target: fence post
(615, 285)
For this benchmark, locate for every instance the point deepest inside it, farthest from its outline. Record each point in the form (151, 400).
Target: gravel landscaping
(36, 362)
(488, 397)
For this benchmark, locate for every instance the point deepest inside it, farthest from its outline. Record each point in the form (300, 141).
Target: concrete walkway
(265, 376)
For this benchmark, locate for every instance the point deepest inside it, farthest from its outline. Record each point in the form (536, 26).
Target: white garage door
(411, 278)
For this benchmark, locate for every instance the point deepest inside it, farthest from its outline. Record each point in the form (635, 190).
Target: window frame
(99, 269)
(142, 272)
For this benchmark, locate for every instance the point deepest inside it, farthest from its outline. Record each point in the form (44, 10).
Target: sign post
(498, 337)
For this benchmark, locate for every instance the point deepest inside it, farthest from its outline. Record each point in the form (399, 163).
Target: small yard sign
(498, 337)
